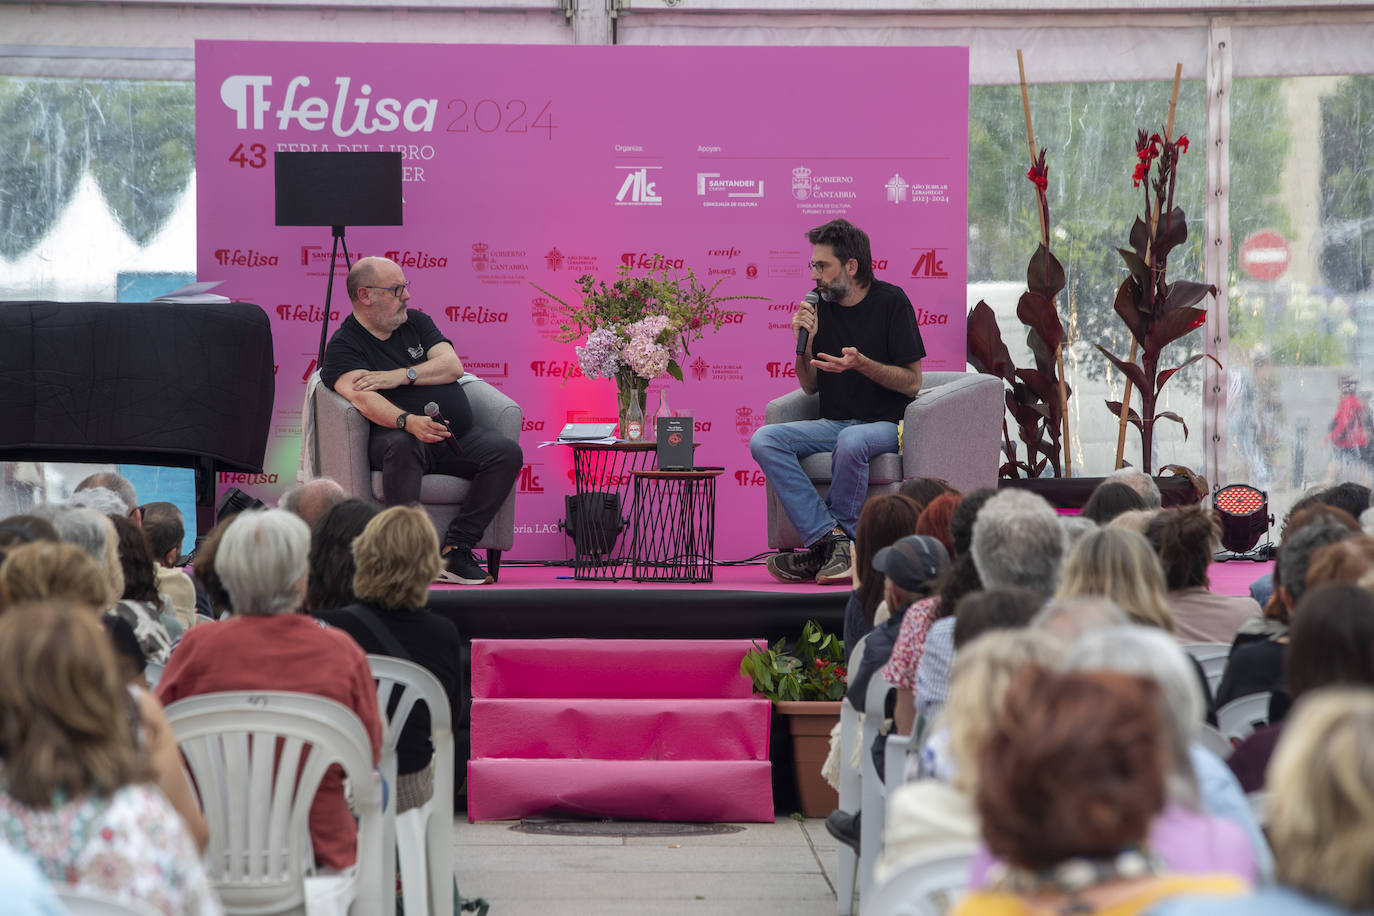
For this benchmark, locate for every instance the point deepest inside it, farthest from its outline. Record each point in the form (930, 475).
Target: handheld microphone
(432, 411)
(802, 334)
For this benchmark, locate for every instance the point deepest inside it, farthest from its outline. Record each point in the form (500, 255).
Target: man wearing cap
(910, 567)
(388, 361)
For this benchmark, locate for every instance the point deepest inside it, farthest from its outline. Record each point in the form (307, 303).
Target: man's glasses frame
(394, 290)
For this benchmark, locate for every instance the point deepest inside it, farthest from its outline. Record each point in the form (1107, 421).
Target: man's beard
(837, 289)
(392, 322)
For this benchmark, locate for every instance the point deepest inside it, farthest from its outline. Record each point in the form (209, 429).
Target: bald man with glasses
(388, 361)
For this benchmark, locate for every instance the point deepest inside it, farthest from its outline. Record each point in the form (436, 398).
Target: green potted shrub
(805, 680)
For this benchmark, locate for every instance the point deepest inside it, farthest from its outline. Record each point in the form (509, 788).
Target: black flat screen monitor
(338, 189)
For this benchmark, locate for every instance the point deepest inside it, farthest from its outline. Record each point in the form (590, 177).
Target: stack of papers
(596, 433)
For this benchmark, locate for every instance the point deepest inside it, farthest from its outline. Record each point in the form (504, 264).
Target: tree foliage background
(136, 137)
(1090, 130)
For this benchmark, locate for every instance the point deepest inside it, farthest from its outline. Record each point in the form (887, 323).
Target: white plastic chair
(1212, 657)
(1211, 738)
(1238, 718)
(846, 861)
(423, 836)
(256, 759)
(929, 888)
(874, 792)
(83, 903)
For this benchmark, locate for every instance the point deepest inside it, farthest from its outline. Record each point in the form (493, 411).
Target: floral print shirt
(911, 641)
(131, 847)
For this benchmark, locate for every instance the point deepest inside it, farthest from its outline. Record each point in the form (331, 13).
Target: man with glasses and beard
(862, 354)
(385, 347)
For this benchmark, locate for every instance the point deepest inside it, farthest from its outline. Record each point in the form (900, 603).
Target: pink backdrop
(536, 164)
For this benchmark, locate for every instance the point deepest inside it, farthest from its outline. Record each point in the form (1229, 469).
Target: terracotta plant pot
(809, 722)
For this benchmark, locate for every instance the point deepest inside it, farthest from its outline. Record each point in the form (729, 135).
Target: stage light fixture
(1244, 514)
(593, 522)
(235, 501)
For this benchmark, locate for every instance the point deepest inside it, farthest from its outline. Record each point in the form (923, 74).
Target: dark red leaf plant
(1035, 397)
(1156, 312)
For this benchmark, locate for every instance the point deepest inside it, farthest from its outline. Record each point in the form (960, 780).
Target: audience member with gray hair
(1018, 540)
(1142, 483)
(312, 499)
(266, 645)
(1075, 526)
(106, 502)
(120, 484)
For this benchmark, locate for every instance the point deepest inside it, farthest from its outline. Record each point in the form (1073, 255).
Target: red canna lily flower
(1183, 144)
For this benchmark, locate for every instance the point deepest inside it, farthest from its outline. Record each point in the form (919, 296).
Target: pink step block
(652, 790)
(610, 668)
(621, 729)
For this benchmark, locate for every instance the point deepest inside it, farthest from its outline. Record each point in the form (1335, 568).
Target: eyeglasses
(819, 265)
(394, 290)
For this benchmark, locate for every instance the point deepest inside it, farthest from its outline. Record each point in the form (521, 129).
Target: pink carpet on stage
(1235, 576)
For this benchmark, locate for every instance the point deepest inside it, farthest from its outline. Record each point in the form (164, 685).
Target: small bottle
(663, 411)
(634, 419)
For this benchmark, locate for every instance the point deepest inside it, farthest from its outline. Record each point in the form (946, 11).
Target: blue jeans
(779, 448)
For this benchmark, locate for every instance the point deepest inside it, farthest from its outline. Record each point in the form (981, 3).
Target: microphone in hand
(432, 411)
(802, 333)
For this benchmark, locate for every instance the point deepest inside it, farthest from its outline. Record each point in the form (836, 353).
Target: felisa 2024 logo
(247, 96)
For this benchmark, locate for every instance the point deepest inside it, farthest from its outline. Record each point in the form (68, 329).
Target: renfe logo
(247, 97)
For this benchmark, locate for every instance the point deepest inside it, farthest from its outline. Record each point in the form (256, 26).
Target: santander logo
(248, 98)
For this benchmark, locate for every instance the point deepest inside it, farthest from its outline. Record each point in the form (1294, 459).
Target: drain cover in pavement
(575, 827)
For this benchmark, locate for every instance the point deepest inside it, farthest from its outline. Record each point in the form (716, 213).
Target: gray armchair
(952, 431)
(336, 446)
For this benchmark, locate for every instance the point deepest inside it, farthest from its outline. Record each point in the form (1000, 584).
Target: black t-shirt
(353, 347)
(883, 327)
(432, 643)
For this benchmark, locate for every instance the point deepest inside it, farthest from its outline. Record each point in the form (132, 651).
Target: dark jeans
(489, 460)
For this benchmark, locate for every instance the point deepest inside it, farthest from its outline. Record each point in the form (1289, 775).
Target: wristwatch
(412, 375)
(401, 420)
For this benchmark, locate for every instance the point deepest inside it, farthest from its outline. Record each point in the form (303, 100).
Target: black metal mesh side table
(599, 507)
(673, 526)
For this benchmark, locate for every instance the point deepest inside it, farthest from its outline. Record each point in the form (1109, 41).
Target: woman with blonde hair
(70, 779)
(50, 571)
(397, 556)
(1321, 806)
(1118, 564)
